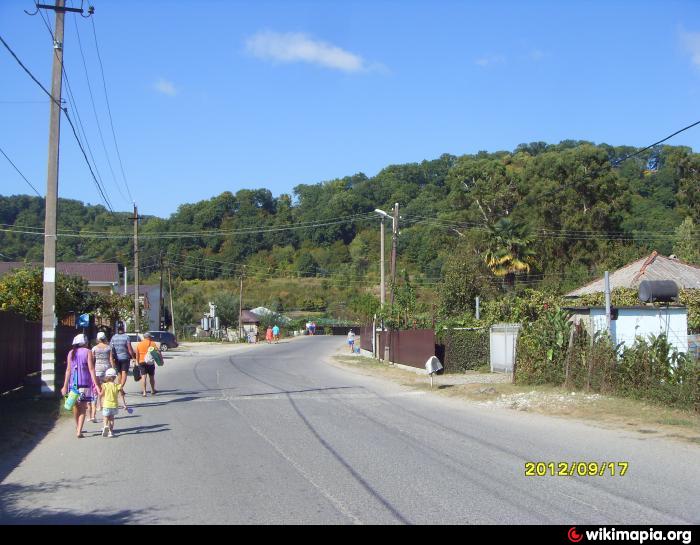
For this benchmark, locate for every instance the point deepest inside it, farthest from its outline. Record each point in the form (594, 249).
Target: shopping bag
(137, 373)
(155, 356)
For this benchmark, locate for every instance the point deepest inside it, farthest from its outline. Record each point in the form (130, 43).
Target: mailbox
(433, 365)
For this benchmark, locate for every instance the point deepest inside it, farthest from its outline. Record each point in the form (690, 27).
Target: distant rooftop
(652, 267)
(92, 272)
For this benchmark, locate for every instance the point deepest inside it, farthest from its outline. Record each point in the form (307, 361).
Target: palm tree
(509, 250)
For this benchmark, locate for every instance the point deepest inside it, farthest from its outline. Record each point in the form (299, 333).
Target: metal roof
(652, 267)
(92, 272)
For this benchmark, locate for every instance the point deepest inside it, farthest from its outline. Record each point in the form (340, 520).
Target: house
(150, 299)
(652, 267)
(629, 322)
(249, 323)
(101, 277)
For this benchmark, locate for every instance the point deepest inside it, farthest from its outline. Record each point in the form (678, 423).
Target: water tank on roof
(658, 291)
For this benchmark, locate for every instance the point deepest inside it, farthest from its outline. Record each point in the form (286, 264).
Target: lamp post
(383, 215)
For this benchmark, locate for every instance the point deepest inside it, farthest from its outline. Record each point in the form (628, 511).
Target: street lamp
(383, 215)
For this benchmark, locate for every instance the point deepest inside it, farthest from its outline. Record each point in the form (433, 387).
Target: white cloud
(490, 60)
(165, 87)
(691, 42)
(297, 47)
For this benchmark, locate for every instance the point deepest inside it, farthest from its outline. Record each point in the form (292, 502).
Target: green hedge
(465, 349)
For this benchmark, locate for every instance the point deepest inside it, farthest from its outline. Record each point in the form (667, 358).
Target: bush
(542, 349)
(465, 349)
(655, 370)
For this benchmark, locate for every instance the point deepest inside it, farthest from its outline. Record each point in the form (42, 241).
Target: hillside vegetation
(545, 216)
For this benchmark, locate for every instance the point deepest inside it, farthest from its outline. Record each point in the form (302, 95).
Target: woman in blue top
(80, 373)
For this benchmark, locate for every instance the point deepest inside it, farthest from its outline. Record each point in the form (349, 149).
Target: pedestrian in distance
(268, 334)
(147, 367)
(80, 374)
(351, 340)
(276, 333)
(101, 356)
(109, 393)
(120, 357)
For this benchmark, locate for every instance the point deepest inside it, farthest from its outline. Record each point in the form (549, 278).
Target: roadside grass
(25, 418)
(600, 410)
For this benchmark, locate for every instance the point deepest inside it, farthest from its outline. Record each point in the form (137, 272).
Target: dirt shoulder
(495, 391)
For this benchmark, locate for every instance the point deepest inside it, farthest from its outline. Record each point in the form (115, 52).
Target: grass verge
(600, 410)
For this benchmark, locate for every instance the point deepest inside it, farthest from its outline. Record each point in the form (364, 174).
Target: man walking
(147, 367)
(120, 357)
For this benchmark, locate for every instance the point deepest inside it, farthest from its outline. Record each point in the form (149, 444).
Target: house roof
(652, 267)
(249, 317)
(95, 273)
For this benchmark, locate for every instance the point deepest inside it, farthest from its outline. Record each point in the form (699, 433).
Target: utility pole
(137, 325)
(48, 313)
(382, 287)
(170, 292)
(160, 294)
(394, 241)
(240, 308)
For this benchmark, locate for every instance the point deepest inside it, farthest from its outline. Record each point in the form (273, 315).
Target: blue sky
(224, 95)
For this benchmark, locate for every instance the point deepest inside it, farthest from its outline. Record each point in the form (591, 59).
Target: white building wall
(642, 322)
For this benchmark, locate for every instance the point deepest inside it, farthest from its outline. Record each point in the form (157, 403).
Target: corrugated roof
(652, 267)
(92, 272)
(249, 317)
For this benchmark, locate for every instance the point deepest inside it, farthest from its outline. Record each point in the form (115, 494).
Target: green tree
(685, 244)
(509, 249)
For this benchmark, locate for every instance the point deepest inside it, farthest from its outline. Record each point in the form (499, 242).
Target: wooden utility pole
(394, 241)
(160, 294)
(48, 313)
(170, 293)
(137, 325)
(240, 308)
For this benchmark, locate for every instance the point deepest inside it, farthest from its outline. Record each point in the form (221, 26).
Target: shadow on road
(14, 510)
(25, 419)
(140, 430)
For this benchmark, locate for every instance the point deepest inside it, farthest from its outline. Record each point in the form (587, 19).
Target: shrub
(465, 349)
(542, 349)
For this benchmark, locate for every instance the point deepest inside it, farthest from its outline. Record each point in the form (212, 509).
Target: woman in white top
(100, 354)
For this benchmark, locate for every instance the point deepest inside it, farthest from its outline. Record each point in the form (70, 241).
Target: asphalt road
(275, 435)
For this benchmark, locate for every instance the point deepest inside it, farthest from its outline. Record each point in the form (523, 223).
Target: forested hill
(574, 208)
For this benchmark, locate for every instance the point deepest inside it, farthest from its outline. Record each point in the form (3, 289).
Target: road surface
(274, 434)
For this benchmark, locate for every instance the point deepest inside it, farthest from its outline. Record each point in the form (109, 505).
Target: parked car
(134, 339)
(165, 339)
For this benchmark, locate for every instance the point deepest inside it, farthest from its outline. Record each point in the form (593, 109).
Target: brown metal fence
(20, 350)
(366, 337)
(410, 347)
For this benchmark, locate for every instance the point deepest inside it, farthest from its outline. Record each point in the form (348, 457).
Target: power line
(74, 104)
(94, 110)
(109, 110)
(20, 173)
(65, 112)
(618, 161)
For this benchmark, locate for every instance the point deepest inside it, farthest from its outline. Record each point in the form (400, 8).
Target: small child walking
(109, 393)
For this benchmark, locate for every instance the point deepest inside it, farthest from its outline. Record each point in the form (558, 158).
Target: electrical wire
(97, 120)
(20, 173)
(74, 104)
(65, 112)
(109, 110)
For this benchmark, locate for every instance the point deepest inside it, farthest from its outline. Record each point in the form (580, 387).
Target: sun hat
(111, 372)
(79, 339)
(101, 335)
